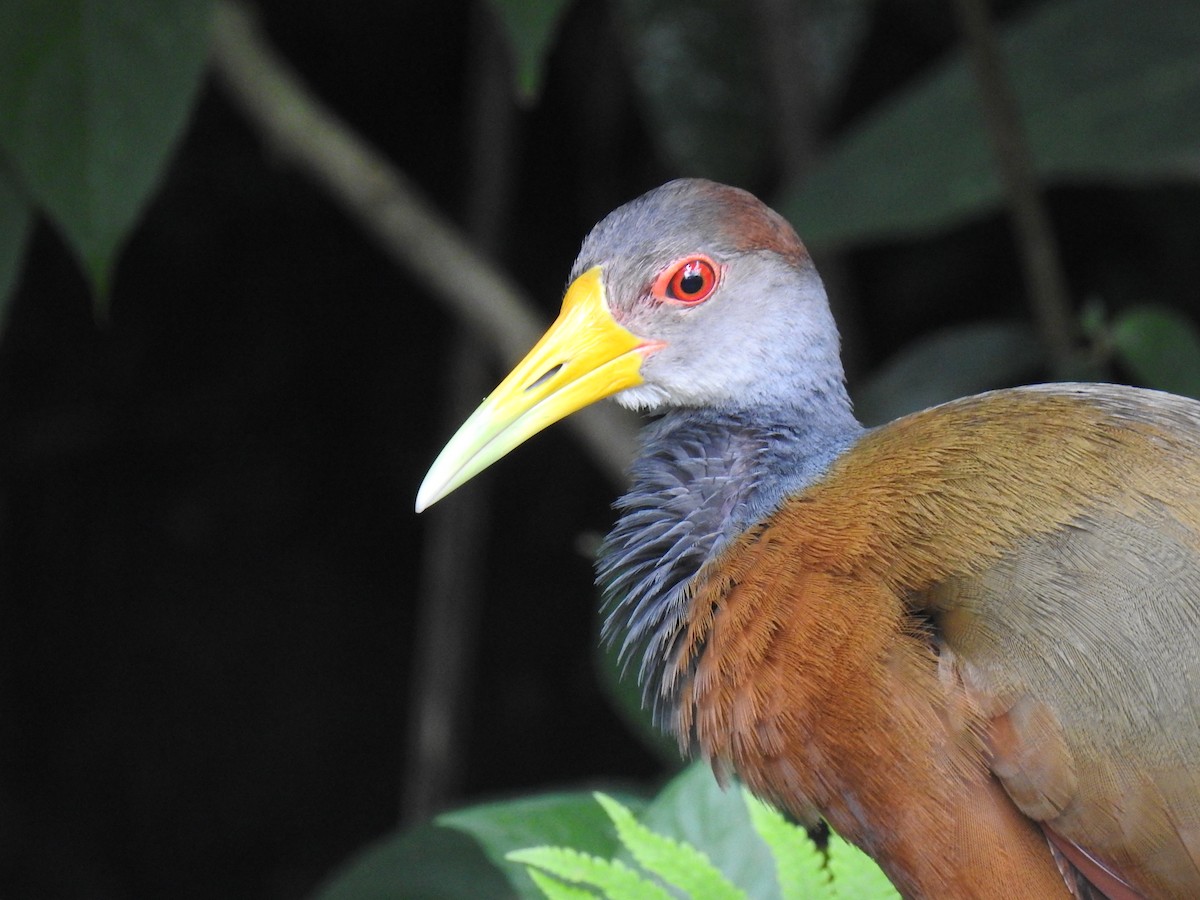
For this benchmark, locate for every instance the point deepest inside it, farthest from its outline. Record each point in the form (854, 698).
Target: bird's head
(693, 295)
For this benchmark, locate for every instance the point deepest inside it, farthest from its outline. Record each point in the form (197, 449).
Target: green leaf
(679, 864)
(855, 875)
(15, 223)
(1106, 94)
(687, 805)
(557, 890)
(567, 820)
(950, 363)
(530, 26)
(614, 878)
(1160, 347)
(93, 96)
(799, 864)
(425, 863)
(693, 807)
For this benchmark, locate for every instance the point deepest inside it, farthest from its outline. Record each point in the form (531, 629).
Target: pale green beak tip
(428, 494)
(461, 459)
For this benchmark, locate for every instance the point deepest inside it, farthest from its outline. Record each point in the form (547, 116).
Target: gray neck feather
(703, 478)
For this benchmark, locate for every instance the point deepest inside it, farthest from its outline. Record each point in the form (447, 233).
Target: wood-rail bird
(970, 638)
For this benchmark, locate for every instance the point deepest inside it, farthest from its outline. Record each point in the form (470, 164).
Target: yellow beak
(585, 356)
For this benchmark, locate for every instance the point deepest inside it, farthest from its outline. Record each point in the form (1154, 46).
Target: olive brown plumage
(970, 638)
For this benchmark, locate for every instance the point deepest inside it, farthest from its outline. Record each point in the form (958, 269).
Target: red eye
(689, 281)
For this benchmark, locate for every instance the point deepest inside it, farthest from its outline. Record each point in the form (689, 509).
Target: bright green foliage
(612, 877)
(854, 876)
(571, 820)
(694, 807)
(462, 856)
(1160, 347)
(798, 862)
(558, 890)
(677, 863)
(804, 872)
(93, 96)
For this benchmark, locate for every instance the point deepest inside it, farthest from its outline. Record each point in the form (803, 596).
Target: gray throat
(702, 479)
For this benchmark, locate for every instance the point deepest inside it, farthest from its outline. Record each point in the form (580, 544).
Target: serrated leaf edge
(676, 862)
(800, 866)
(611, 876)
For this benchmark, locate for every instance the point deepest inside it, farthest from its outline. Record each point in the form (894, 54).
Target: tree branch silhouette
(393, 212)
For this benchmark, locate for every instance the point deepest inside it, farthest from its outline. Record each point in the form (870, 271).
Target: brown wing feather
(1054, 534)
(1070, 593)
(830, 701)
(1083, 644)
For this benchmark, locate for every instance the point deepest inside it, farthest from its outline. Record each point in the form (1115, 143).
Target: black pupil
(692, 282)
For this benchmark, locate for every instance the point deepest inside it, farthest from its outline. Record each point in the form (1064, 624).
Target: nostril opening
(549, 373)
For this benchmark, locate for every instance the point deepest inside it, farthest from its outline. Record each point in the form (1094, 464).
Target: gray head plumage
(765, 337)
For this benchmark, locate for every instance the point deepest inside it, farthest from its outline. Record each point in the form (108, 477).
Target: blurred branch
(391, 210)
(449, 607)
(451, 596)
(1037, 247)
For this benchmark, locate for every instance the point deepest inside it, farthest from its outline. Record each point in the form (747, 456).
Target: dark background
(209, 562)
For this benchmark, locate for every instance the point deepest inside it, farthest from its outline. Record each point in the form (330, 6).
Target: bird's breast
(798, 650)
(703, 481)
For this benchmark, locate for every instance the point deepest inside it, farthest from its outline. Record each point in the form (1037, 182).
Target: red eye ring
(688, 281)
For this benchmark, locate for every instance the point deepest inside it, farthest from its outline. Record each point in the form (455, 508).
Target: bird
(969, 639)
